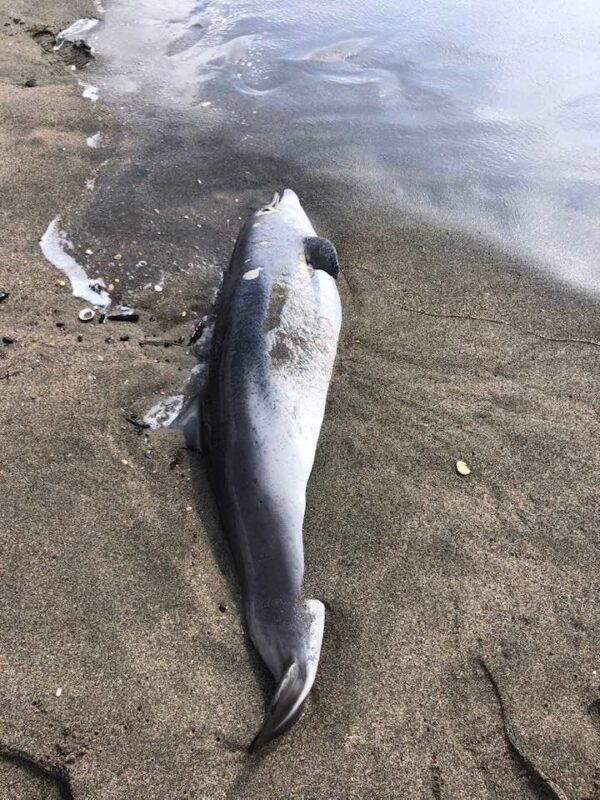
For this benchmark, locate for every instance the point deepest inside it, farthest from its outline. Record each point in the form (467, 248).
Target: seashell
(86, 314)
(463, 468)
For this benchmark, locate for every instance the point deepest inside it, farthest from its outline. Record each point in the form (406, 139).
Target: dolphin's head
(287, 209)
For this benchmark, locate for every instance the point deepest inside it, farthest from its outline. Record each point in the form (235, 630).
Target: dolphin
(257, 423)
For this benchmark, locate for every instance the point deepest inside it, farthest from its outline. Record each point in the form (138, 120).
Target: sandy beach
(460, 657)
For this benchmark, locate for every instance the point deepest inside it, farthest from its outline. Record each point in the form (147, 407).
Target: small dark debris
(222, 608)
(124, 315)
(177, 460)
(124, 338)
(108, 340)
(60, 325)
(7, 376)
(30, 83)
(8, 340)
(80, 338)
(4, 295)
(139, 425)
(164, 342)
(198, 331)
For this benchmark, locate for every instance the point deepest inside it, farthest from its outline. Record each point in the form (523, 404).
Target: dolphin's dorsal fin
(321, 254)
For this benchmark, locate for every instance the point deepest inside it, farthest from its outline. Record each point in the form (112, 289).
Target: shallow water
(485, 119)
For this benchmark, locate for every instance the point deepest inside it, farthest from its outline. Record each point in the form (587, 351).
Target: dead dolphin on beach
(257, 422)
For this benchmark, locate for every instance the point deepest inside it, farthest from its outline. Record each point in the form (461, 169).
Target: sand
(461, 650)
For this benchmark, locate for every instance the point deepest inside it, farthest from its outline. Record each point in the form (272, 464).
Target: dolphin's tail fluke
(296, 678)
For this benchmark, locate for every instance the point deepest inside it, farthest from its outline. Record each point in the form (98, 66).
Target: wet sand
(462, 641)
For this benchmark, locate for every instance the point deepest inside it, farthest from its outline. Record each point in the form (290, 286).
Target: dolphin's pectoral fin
(297, 677)
(188, 422)
(321, 254)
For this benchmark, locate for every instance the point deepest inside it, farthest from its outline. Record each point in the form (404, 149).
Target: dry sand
(463, 611)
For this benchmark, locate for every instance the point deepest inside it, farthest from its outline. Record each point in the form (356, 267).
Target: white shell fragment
(86, 314)
(463, 468)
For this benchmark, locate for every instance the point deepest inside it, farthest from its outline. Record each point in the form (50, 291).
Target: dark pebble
(149, 453)
(30, 83)
(4, 295)
(222, 608)
(108, 339)
(60, 325)
(80, 338)
(124, 338)
(123, 316)
(8, 339)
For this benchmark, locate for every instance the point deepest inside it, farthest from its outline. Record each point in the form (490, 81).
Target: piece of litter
(76, 32)
(189, 508)
(158, 288)
(58, 692)
(124, 462)
(117, 257)
(462, 468)
(89, 252)
(86, 314)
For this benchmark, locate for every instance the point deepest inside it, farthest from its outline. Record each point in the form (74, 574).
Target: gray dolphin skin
(272, 354)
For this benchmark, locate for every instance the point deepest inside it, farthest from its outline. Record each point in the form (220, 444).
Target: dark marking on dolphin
(257, 422)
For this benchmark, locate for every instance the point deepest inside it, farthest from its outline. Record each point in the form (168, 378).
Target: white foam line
(76, 32)
(90, 92)
(53, 244)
